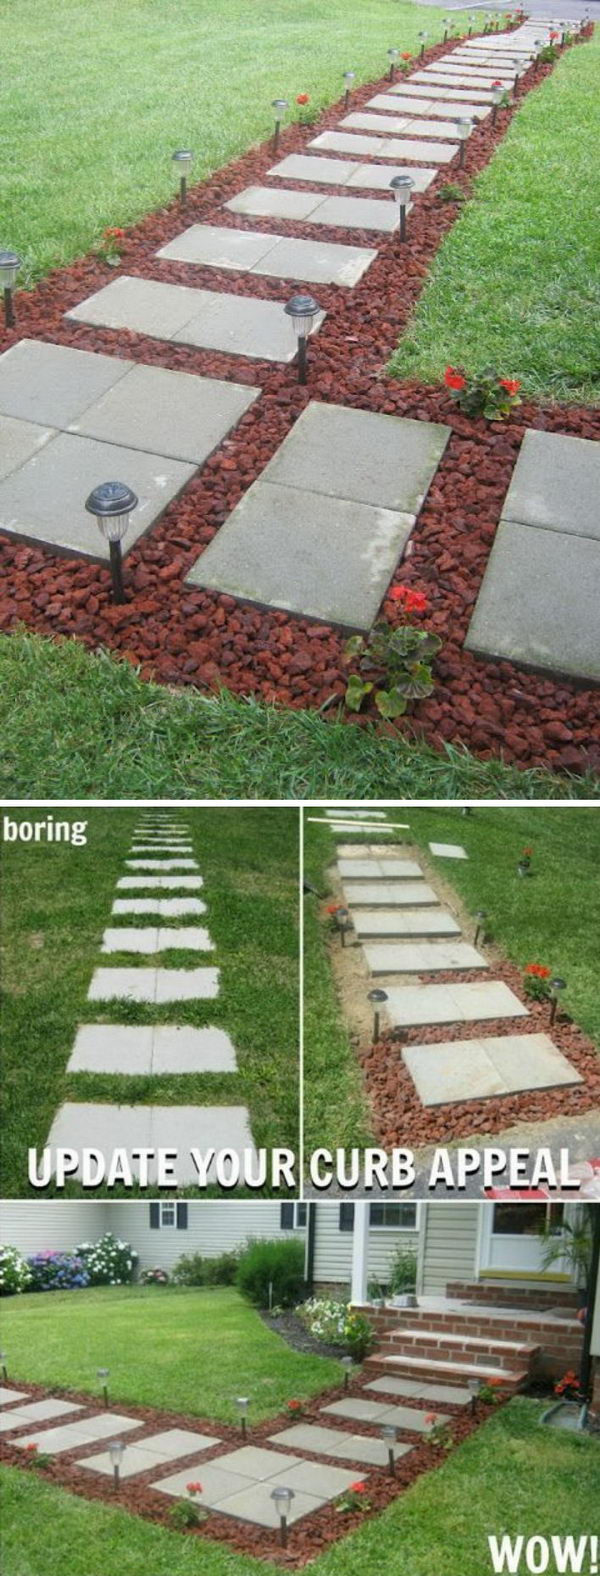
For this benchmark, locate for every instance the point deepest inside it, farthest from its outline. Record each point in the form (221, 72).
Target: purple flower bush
(57, 1271)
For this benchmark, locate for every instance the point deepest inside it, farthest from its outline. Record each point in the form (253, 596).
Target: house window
(292, 1217)
(527, 1220)
(385, 1217)
(169, 1213)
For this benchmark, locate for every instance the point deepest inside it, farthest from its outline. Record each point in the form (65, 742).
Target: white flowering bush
(15, 1274)
(108, 1262)
(338, 1324)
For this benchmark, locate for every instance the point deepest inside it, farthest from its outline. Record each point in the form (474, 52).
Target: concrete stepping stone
(358, 815)
(162, 864)
(167, 849)
(189, 882)
(19, 442)
(147, 939)
(134, 1128)
(341, 172)
(35, 1412)
(321, 531)
(405, 1417)
(427, 106)
(239, 325)
(156, 985)
(404, 922)
(353, 213)
(478, 75)
(106, 1425)
(411, 1005)
(433, 90)
(457, 1394)
(280, 256)
(537, 603)
(248, 1499)
(372, 869)
(7, 1395)
(448, 851)
(388, 894)
(348, 826)
(478, 1069)
(338, 1442)
(144, 1049)
(151, 1452)
(165, 907)
(461, 79)
(366, 850)
(416, 125)
(422, 957)
(400, 148)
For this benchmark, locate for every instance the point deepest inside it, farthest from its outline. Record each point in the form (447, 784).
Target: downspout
(309, 1256)
(585, 1380)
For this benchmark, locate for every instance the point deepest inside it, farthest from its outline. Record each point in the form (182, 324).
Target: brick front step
(511, 1294)
(428, 1369)
(509, 1355)
(478, 1324)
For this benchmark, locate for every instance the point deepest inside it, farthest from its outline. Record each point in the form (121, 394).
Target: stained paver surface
(280, 256)
(339, 1443)
(420, 1004)
(412, 957)
(156, 985)
(387, 894)
(448, 850)
(480, 1068)
(372, 869)
(145, 1049)
(132, 1128)
(146, 939)
(404, 922)
(399, 148)
(240, 325)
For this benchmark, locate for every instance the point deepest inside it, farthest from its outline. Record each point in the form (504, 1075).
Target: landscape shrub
(271, 1272)
(403, 1272)
(109, 1262)
(155, 1277)
(337, 1324)
(195, 1269)
(15, 1274)
(57, 1271)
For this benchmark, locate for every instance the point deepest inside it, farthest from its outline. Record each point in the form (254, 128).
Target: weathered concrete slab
(36, 1412)
(147, 939)
(459, 1394)
(357, 815)
(278, 256)
(433, 90)
(67, 1436)
(156, 985)
(424, 957)
(448, 851)
(478, 1069)
(377, 177)
(399, 148)
(52, 385)
(339, 1442)
(8, 1395)
(213, 320)
(305, 167)
(133, 1128)
(556, 484)
(415, 125)
(167, 412)
(166, 907)
(162, 864)
(356, 480)
(538, 603)
(374, 869)
(405, 1417)
(19, 441)
(136, 1049)
(273, 202)
(354, 213)
(388, 894)
(129, 883)
(404, 922)
(409, 1005)
(151, 1452)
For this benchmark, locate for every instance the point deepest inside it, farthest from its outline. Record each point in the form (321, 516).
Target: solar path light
(10, 263)
(497, 97)
(102, 1375)
(401, 186)
(349, 77)
(392, 57)
(445, 25)
(111, 504)
(280, 108)
(116, 1451)
(556, 986)
(377, 997)
(390, 1434)
(343, 923)
(302, 309)
(480, 918)
(282, 1499)
(183, 159)
(242, 1403)
(3, 1362)
(423, 39)
(463, 131)
(347, 1365)
(474, 1385)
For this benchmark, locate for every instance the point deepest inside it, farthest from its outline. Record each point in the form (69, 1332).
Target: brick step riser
(536, 1299)
(511, 1381)
(481, 1328)
(485, 1357)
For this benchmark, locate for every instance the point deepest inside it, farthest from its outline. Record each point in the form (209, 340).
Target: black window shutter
(182, 1215)
(346, 1221)
(155, 1216)
(286, 1217)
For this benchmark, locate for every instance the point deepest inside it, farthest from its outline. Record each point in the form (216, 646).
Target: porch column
(360, 1252)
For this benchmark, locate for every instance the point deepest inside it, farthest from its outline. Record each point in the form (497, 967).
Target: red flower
(430, 1417)
(303, 98)
(118, 234)
(31, 1450)
(358, 1488)
(194, 1488)
(294, 1406)
(332, 908)
(553, 36)
(527, 852)
(494, 1382)
(416, 602)
(497, 83)
(454, 379)
(539, 970)
(511, 385)
(406, 55)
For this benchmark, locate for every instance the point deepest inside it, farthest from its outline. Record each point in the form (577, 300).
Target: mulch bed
(397, 1109)
(183, 636)
(310, 1536)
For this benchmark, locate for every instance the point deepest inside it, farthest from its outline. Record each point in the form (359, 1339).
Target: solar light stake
(377, 996)
(445, 24)
(401, 186)
(183, 159)
(347, 1365)
(302, 309)
(389, 1433)
(474, 1386)
(10, 264)
(348, 79)
(115, 1450)
(282, 1499)
(556, 986)
(392, 57)
(112, 503)
(242, 1402)
(422, 37)
(102, 1374)
(280, 106)
(4, 1367)
(343, 923)
(497, 97)
(481, 917)
(463, 131)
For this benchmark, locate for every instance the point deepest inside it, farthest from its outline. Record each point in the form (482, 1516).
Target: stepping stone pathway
(7, 1395)
(75, 416)
(138, 1049)
(401, 148)
(151, 1452)
(354, 213)
(385, 101)
(427, 90)
(336, 1442)
(239, 325)
(106, 1425)
(385, 123)
(343, 172)
(355, 481)
(241, 1483)
(383, 904)
(278, 255)
(458, 1395)
(35, 1412)
(404, 1417)
(538, 602)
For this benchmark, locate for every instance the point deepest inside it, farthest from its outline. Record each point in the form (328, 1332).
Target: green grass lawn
(97, 95)
(57, 902)
(516, 283)
(73, 725)
(551, 917)
(176, 1347)
(510, 1476)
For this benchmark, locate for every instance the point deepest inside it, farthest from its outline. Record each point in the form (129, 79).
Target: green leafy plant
(107, 249)
(307, 113)
(108, 1262)
(536, 981)
(358, 1334)
(353, 1498)
(15, 1272)
(375, 1291)
(548, 54)
(271, 1269)
(438, 1434)
(403, 655)
(195, 1269)
(154, 1277)
(40, 1459)
(403, 1274)
(572, 1244)
(483, 393)
(184, 1513)
(451, 193)
(491, 1392)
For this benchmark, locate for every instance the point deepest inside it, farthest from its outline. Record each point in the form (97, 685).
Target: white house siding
(449, 1245)
(333, 1248)
(32, 1226)
(212, 1228)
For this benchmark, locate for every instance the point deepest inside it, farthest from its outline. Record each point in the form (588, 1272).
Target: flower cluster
(483, 393)
(411, 601)
(535, 981)
(569, 1381)
(353, 1498)
(194, 1488)
(108, 248)
(295, 1406)
(109, 1262)
(15, 1274)
(155, 1277)
(56, 1271)
(539, 970)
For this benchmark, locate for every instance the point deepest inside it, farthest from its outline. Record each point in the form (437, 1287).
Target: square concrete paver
(53, 384)
(388, 894)
(133, 1049)
(401, 148)
(432, 90)
(273, 202)
(44, 500)
(318, 262)
(538, 602)
(67, 1436)
(180, 1128)
(448, 850)
(411, 1005)
(254, 1462)
(373, 869)
(255, 1504)
(377, 177)
(220, 246)
(146, 939)
(151, 1453)
(7, 1395)
(357, 815)
(214, 320)
(129, 883)
(415, 126)
(478, 1069)
(405, 1417)
(458, 1394)
(19, 440)
(421, 957)
(182, 863)
(357, 213)
(36, 1412)
(405, 922)
(337, 1442)
(167, 412)
(165, 907)
(156, 985)
(556, 484)
(428, 106)
(304, 167)
(356, 454)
